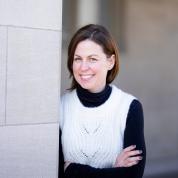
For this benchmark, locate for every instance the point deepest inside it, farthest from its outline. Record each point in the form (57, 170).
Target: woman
(101, 126)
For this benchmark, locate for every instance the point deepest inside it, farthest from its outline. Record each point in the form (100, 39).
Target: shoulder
(125, 106)
(130, 105)
(66, 101)
(135, 114)
(135, 106)
(124, 96)
(68, 96)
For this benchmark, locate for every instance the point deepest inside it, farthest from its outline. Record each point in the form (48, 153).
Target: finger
(131, 154)
(127, 149)
(134, 153)
(129, 162)
(133, 159)
(130, 148)
(132, 163)
(128, 154)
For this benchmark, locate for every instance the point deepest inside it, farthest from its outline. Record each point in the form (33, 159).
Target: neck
(89, 99)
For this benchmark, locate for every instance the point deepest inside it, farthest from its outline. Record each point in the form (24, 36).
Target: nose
(84, 65)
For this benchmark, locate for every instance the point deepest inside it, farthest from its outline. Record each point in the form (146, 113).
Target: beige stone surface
(31, 13)
(32, 76)
(30, 49)
(3, 44)
(29, 151)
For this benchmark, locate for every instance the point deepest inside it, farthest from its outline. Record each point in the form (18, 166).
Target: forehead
(88, 47)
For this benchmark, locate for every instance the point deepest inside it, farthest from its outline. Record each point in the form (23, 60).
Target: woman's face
(90, 66)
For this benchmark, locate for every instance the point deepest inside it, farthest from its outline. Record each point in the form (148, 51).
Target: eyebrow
(87, 56)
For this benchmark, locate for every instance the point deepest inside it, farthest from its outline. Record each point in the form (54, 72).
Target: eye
(77, 59)
(92, 59)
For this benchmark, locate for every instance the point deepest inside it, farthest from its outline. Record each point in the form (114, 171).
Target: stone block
(28, 151)
(45, 14)
(33, 76)
(3, 44)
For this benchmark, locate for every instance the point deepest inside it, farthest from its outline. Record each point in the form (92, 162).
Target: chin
(86, 86)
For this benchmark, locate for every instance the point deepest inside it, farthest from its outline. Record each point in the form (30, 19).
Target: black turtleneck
(89, 99)
(133, 135)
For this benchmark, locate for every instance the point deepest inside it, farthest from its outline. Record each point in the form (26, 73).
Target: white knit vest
(94, 136)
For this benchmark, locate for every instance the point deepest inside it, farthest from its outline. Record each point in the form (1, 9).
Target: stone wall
(30, 45)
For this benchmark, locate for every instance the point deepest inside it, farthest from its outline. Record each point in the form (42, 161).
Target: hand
(67, 163)
(128, 157)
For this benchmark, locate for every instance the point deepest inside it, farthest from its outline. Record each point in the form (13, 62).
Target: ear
(111, 62)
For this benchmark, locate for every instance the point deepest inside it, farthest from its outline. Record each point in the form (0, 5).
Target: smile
(86, 77)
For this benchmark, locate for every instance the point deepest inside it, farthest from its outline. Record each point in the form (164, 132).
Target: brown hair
(101, 36)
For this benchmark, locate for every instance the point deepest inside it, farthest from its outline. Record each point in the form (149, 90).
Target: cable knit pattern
(91, 135)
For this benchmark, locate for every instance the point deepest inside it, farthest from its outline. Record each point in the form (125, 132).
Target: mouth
(86, 76)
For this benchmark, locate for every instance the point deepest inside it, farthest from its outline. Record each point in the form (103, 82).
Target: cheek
(95, 68)
(98, 67)
(103, 69)
(75, 68)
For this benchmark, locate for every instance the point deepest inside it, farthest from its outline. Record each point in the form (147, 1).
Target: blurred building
(147, 36)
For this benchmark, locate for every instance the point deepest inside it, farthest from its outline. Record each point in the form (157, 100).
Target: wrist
(66, 165)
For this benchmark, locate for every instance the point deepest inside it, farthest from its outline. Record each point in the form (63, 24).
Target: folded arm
(133, 135)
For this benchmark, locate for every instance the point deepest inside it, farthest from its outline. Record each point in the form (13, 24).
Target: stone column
(87, 12)
(30, 50)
